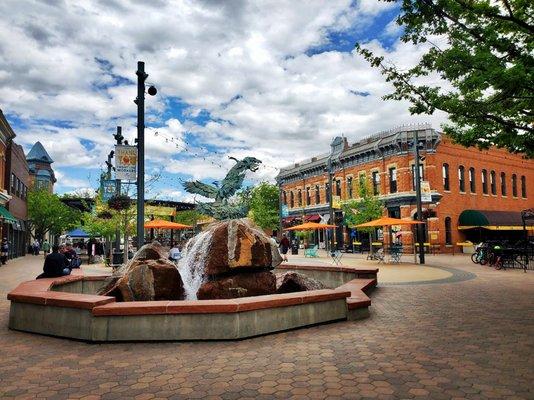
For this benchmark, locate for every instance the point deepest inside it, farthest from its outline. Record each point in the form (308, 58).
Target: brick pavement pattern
(462, 340)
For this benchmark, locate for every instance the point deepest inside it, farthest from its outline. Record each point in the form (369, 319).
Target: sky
(276, 80)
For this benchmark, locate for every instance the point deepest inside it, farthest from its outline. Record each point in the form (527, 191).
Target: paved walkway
(472, 339)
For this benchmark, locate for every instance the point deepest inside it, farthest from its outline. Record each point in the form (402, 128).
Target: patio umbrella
(387, 221)
(309, 226)
(162, 224)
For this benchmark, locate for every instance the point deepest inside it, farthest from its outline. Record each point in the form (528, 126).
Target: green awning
(496, 220)
(6, 215)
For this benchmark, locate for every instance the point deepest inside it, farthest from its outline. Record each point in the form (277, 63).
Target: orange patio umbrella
(387, 221)
(162, 224)
(309, 226)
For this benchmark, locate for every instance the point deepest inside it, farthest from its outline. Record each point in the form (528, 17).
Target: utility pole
(140, 101)
(117, 254)
(420, 228)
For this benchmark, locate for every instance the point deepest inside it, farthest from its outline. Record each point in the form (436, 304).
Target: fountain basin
(67, 307)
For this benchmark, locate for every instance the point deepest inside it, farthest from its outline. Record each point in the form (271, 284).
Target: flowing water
(191, 265)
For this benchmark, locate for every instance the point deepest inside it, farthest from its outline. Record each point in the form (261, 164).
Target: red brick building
(6, 136)
(494, 184)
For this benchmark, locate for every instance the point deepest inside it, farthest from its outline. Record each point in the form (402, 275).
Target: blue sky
(233, 78)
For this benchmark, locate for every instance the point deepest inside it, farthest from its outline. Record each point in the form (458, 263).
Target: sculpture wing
(200, 188)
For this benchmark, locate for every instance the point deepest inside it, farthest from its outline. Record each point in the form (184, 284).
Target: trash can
(295, 248)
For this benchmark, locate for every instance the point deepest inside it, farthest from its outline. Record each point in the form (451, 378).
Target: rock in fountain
(230, 259)
(148, 276)
(291, 281)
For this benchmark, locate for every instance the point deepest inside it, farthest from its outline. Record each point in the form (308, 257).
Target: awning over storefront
(312, 218)
(78, 233)
(491, 220)
(6, 215)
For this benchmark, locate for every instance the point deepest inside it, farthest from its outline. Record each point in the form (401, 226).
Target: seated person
(174, 253)
(72, 256)
(55, 265)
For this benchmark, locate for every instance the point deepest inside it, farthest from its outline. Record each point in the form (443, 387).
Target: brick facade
(369, 157)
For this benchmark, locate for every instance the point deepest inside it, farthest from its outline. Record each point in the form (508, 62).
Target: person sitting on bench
(55, 265)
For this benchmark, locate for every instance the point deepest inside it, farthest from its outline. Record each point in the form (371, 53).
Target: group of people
(60, 262)
(36, 247)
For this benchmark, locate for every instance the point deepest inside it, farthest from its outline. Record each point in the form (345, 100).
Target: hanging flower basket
(119, 202)
(104, 215)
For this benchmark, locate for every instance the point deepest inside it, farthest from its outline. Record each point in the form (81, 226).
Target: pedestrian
(174, 253)
(284, 247)
(36, 247)
(46, 247)
(4, 251)
(55, 265)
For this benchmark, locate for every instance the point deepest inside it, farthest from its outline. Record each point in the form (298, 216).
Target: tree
(364, 209)
(264, 205)
(488, 60)
(188, 217)
(47, 214)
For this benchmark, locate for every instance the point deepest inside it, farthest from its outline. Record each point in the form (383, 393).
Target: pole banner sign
(109, 188)
(336, 202)
(426, 194)
(126, 162)
(285, 210)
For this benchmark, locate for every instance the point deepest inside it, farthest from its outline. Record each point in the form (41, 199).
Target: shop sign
(426, 194)
(126, 162)
(336, 201)
(109, 188)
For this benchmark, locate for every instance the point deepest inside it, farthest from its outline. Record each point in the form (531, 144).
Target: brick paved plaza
(472, 339)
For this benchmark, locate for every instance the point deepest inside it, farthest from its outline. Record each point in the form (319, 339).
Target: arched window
(448, 231)
(484, 181)
(338, 187)
(503, 184)
(514, 185)
(291, 200)
(376, 182)
(446, 182)
(317, 195)
(284, 197)
(472, 180)
(349, 187)
(308, 197)
(327, 192)
(523, 187)
(493, 183)
(299, 198)
(461, 178)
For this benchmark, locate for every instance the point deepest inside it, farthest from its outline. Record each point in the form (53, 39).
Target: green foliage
(364, 209)
(304, 235)
(94, 225)
(47, 214)
(188, 217)
(488, 60)
(264, 205)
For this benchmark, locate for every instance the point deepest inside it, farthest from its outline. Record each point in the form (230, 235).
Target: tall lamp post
(420, 227)
(140, 101)
(117, 254)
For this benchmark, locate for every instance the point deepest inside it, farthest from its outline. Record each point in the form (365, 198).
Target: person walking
(36, 247)
(284, 247)
(4, 251)
(46, 247)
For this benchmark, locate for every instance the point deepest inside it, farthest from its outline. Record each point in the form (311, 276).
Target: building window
(376, 183)
(299, 198)
(284, 198)
(317, 195)
(291, 200)
(421, 176)
(308, 197)
(461, 178)
(484, 181)
(393, 180)
(327, 192)
(448, 231)
(503, 184)
(523, 187)
(445, 172)
(17, 187)
(493, 183)
(12, 183)
(361, 179)
(514, 185)
(338, 187)
(472, 184)
(350, 193)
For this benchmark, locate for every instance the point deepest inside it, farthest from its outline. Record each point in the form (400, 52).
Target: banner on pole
(285, 210)
(126, 162)
(426, 194)
(109, 188)
(336, 202)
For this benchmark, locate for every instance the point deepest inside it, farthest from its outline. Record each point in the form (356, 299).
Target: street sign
(426, 194)
(109, 188)
(336, 201)
(285, 210)
(126, 162)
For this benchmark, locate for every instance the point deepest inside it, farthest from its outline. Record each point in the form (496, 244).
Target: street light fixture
(140, 101)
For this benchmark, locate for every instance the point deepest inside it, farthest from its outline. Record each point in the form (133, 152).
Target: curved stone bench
(68, 307)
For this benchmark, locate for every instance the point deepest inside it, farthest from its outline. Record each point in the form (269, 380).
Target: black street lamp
(117, 254)
(140, 101)
(420, 228)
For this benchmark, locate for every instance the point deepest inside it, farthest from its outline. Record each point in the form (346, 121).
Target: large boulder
(147, 280)
(291, 281)
(243, 284)
(233, 245)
